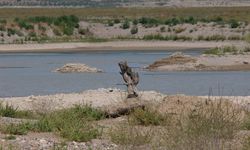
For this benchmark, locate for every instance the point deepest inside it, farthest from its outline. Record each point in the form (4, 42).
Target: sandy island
(181, 62)
(112, 45)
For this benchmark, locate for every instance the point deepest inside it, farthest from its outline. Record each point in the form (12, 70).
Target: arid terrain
(99, 25)
(106, 118)
(150, 113)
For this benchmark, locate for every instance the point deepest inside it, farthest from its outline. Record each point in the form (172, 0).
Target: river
(23, 74)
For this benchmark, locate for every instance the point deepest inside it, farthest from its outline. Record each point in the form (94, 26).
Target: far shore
(112, 46)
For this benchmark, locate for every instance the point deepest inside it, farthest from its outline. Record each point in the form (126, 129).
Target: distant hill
(123, 3)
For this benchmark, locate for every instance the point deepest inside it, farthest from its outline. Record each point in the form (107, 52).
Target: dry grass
(227, 13)
(176, 123)
(207, 126)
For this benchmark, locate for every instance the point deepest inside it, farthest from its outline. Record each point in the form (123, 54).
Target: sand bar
(113, 45)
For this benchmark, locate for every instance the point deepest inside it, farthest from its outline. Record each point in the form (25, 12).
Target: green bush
(110, 23)
(234, 24)
(190, 20)
(11, 31)
(24, 24)
(66, 23)
(43, 19)
(116, 21)
(9, 111)
(149, 21)
(126, 24)
(135, 22)
(172, 21)
(67, 30)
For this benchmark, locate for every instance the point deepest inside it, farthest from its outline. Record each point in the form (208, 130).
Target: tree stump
(130, 78)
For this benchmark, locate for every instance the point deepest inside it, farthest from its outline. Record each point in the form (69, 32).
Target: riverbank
(146, 119)
(108, 99)
(113, 46)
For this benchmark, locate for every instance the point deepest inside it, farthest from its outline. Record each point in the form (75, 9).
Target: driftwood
(130, 78)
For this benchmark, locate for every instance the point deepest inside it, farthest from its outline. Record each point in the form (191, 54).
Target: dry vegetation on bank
(32, 25)
(227, 13)
(175, 122)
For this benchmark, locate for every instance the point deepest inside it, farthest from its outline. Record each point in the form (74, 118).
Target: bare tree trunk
(130, 78)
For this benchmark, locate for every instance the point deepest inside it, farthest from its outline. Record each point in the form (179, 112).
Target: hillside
(71, 29)
(125, 3)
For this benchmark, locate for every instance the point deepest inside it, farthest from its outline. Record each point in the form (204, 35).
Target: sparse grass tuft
(130, 135)
(9, 111)
(17, 129)
(224, 50)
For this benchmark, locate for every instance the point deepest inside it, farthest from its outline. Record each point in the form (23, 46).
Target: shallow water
(23, 74)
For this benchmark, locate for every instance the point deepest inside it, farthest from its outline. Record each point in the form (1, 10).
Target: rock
(77, 68)
(42, 141)
(245, 62)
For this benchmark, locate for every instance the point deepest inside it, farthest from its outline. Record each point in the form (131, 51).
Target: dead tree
(130, 78)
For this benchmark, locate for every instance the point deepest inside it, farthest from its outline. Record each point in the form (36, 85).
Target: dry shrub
(207, 125)
(130, 135)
